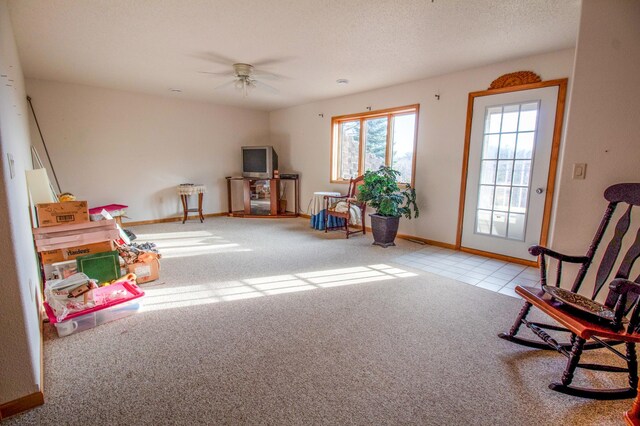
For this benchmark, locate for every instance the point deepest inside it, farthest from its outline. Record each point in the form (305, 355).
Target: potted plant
(381, 191)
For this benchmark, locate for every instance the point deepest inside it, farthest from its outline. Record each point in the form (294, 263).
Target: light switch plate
(579, 171)
(12, 171)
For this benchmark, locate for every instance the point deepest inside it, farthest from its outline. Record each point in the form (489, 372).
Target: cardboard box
(145, 271)
(52, 214)
(65, 236)
(70, 253)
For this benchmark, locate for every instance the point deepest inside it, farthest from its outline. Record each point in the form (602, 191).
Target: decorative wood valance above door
(515, 79)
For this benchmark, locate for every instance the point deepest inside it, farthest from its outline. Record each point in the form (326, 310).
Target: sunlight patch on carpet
(214, 292)
(190, 243)
(174, 235)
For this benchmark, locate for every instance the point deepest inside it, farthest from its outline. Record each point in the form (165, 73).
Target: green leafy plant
(381, 191)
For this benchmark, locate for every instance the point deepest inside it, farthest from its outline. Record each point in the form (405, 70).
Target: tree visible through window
(364, 142)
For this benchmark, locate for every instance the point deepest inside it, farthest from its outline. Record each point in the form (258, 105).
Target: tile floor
(490, 274)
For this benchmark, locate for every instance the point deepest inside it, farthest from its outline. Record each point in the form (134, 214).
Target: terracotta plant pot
(385, 229)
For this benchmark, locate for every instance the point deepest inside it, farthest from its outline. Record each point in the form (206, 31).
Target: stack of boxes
(67, 242)
(65, 234)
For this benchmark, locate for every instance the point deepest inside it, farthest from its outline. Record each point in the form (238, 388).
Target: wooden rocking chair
(341, 207)
(605, 326)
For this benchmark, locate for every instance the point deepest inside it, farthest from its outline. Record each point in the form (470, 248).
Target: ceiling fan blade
(270, 75)
(272, 61)
(265, 86)
(215, 58)
(219, 74)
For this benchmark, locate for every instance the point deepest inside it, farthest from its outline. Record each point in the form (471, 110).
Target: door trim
(553, 160)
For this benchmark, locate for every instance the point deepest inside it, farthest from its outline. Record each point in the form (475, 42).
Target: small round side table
(187, 189)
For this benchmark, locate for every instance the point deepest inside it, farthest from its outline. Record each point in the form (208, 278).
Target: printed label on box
(65, 218)
(143, 271)
(59, 255)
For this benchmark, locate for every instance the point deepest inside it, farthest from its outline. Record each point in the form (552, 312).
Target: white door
(509, 153)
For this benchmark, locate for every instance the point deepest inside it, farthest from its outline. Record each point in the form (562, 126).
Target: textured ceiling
(151, 46)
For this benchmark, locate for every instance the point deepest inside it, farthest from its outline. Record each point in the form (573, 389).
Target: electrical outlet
(12, 170)
(579, 171)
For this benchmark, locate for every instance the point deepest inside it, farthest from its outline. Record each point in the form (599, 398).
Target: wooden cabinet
(262, 197)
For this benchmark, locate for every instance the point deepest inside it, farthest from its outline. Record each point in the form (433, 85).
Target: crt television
(259, 161)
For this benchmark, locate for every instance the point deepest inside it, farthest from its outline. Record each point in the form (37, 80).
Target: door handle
(539, 190)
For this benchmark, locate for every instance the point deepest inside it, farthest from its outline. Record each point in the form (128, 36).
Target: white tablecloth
(191, 189)
(317, 203)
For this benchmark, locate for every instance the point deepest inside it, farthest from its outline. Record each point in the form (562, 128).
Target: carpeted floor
(258, 321)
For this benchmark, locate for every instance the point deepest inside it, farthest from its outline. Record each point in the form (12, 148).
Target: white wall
(603, 128)
(303, 138)
(19, 328)
(110, 146)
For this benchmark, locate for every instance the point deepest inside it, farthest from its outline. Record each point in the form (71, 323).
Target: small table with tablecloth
(318, 212)
(187, 189)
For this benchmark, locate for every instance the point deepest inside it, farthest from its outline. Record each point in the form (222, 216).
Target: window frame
(389, 113)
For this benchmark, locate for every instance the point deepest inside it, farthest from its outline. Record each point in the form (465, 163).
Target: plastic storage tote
(111, 311)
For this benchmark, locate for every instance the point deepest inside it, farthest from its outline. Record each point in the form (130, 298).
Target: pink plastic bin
(110, 311)
(114, 210)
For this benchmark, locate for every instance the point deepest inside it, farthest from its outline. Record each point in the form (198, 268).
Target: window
(362, 142)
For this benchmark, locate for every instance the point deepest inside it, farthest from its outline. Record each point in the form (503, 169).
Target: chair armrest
(622, 286)
(353, 200)
(617, 300)
(540, 250)
(328, 200)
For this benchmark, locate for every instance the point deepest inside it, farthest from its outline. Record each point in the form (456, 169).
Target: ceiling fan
(245, 78)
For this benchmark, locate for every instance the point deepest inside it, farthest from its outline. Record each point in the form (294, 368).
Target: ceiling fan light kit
(244, 79)
(244, 84)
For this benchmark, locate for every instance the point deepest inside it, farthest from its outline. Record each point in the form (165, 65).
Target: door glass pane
(375, 139)
(503, 177)
(525, 145)
(499, 224)
(349, 149)
(404, 128)
(528, 117)
(510, 118)
(485, 197)
(521, 172)
(501, 200)
(509, 137)
(507, 145)
(516, 226)
(490, 147)
(488, 172)
(494, 119)
(483, 222)
(519, 199)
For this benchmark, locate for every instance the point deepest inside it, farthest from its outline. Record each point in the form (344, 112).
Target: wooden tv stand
(262, 197)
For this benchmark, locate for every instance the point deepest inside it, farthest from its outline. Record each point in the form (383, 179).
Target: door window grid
(507, 156)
